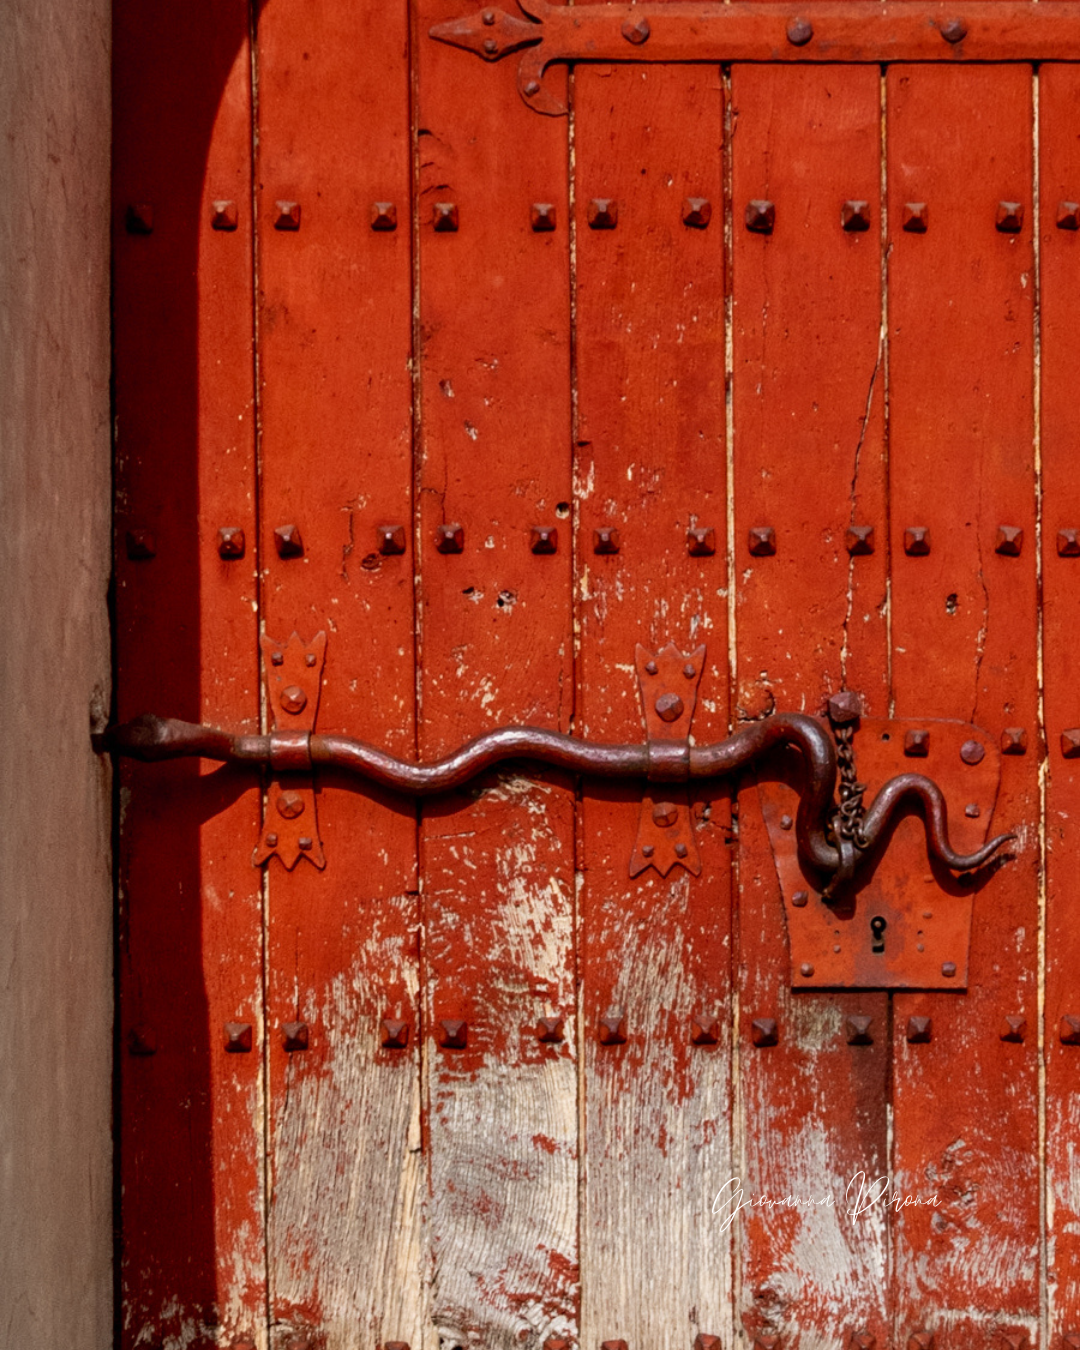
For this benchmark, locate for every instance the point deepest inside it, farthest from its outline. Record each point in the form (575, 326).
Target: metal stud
(293, 699)
(914, 217)
(139, 218)
(844, 707)
(704, 1030)
(973, 811)
(231, 542)
(857, 1029)
(294, 1035)
(602, 213)
(288, 542)
(550, 1030)
(383, 216)
(224, 216)
(452, 1033)
(1010, 540)
(1014, 1029)
(669, 707)
(444, 217)
(855, 217)
(542, 217)
(762, 541)
(141, 545)
(859, 539)
(271, 840)
(1068, 543)
(606, 540)
(763, 1032)
(919, 1030)
(948, 969)
(786, 822)
(238, 1038)
(806, 970)
(636, 31)
(697, 212)
(1014, 741)
(799, 899)
(1070, 743)
(543, 539)
(391, 539)
(1009, 218)
(395, 1034)
(760, 216)
(954, 30)
(612, 1030)
(701, 542)
(916, 541)
(665, 813)
(142, 1041)
(450, 538)
(972, 752)
(1070, 1030)
(291, 805)
(288, 216)
(916, 744)
(1068, 216)
(799, 32)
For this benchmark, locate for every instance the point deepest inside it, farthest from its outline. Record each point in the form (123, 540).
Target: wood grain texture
(1059, 184)
(650, 463)
(809, 398)
(964, 645)
(189, 954)
(336, 416)
(496, 648)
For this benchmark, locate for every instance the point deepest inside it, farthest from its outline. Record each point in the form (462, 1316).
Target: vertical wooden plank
(190, 950)
(650, 463)
(335, 389)
(1059, 188)
(809, 395)
(496, 649)
(964, 646)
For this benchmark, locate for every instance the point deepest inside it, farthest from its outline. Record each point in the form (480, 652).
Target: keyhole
(877, 927)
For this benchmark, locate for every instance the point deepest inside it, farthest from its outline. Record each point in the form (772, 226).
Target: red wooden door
(438, 412)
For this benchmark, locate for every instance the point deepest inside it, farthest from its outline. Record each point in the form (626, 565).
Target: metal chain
(847, 821)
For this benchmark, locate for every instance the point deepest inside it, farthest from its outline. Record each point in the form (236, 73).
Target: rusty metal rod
(151, 738)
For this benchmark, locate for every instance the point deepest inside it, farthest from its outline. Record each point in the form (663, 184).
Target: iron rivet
(383, 216)
(785, 822)
(290, 805)
(1070, 742)
(948, 969)
(697, 212)
(488, 17)
(288, 216)
(445, 217)
(1010, 540)
(141, 545)
(613, 1029)
(606, 540)
(391, 539)
(293, 699)
(542, 217)
(490, 46)
(760, 216)
(845, 707)
(669, 707)
(238, 1038)
(954, 30)
(917, 541)
(651, 667)
(799, 32)
(543, 539)
(858, 1030)
(681, 850)
(665, 813)
(704, 1031)
(142, 1041)
(395, 1034)
(602, 213)
(271, 841)
(1014, 741)
(1070, 1030)
(306, 842)
(1010, 217)
(532, 88)
(690, 671)
(916, 744)
(859, 540)
(701, 543)
(919, 1030)
(550, 1030)
(972, 752)
(636, 32)
(1068, 543)
(452, 1034)
(914, 218)
(1015, 1029)
(648, 850)
(277, 658)
(762, 541)
(806, 969)
(139, 218)
(972, 811)
(287, 541)
(294, 1035)
(763, 1031)
(450, 538)
(310, 659)
(231, 542)
(1068, 216)
(799, 899)
(224, 216)
(855, 217)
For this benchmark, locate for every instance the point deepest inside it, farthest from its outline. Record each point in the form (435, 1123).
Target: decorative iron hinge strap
(848, 31)
(667, 758)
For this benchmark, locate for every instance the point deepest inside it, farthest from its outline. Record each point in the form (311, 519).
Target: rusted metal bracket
(905, 923)
(849, 31)
(293, 674)
(666, 757)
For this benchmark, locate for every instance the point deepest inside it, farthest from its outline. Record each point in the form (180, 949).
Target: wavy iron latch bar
(666, 757)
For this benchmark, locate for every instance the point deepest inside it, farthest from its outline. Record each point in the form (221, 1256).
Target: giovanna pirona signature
(860, 1195)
